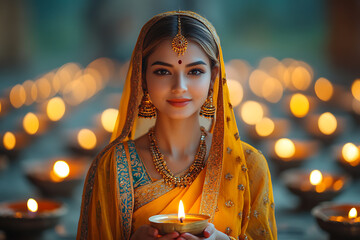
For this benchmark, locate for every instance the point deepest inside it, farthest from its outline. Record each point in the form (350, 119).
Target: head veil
(226, 153)
(226, 145)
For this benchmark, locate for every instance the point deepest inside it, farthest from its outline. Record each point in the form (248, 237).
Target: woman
(177, 73)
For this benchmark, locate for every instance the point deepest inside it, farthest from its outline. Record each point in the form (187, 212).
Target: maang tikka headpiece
(179, 42)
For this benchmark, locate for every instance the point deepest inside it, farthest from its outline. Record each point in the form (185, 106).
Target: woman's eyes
(194, 72)
(162, 72)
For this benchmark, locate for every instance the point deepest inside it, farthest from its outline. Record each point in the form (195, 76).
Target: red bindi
(179, 61)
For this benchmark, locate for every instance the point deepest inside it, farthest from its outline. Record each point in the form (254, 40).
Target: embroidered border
(125, 189)
(139, 174)
(150, 192)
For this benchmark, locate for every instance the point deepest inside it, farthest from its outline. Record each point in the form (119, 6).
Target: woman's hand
(210, 233)
(146, 232)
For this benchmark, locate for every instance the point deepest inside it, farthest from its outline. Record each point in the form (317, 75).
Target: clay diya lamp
(58, 177)
(340, 221)
(13, 142)
(268, 129)
(28, 219)
(180, 222)
(299, 105)
(325, 127)
(348, 157)
(291, 153)
(315, 187)
(86, 141)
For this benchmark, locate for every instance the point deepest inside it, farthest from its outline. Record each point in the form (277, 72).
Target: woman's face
(178, 85)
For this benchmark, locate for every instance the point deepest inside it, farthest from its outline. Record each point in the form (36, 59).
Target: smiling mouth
(179, 102)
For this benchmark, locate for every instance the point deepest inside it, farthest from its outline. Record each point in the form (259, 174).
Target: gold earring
(208, 109)
(146, 107)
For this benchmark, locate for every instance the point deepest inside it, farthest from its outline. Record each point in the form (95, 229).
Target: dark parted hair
(191, 29)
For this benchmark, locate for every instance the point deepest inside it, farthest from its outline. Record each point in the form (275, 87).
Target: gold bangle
(232, 238)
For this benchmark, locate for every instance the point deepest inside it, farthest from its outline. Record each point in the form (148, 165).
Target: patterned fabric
(241, 206)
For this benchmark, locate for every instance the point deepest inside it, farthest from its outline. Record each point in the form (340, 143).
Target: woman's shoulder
(254, 158)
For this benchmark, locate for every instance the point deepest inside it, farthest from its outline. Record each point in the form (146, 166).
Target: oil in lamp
(341, 221)
(181, 222)
(315, 187)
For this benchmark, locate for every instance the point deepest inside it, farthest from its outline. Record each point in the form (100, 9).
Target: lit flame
(86, 138)
(61, 169)
(9, 140)
(315, 177)
(285, 148)
(299, 105)
(327, 123)
(32, 205)
(252, 112)
(355, 89)
(181, 212)
(31, 123)
(235, 91)
(350, 152)
(55, 109)
(108, 119)
(352, 213)
(324, 89)
(265, 127)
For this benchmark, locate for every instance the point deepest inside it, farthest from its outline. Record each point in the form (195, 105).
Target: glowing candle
(55, 109)
(352, 213)
(299, 105)
(284, 148)
(324, 89)
(355, 89)
(32, 206)
(252, 112)
(350, 152)
(327, 123)
(31, 123)
(316, 177)
(108, 119)
(60, 171)
(86, 139)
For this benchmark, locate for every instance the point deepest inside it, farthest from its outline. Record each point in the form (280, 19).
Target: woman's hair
(191, 29)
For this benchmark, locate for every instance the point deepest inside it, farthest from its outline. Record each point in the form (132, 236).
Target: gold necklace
(161, 166)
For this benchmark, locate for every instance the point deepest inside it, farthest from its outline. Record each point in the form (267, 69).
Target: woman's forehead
(164, 53)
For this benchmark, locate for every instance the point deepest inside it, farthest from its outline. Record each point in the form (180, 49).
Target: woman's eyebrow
(196, 63)
(162, 63)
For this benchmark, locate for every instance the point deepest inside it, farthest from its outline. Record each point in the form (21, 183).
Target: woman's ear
(214, 73)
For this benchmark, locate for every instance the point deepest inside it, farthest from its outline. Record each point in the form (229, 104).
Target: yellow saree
(234, 188)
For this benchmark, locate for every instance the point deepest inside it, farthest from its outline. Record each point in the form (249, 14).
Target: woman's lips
(179, 102)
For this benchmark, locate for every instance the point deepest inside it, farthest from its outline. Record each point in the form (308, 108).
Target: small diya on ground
(58, 177)
(87, 141)
(181, 222)
(348, 157)
(290, 153)
(315, 187)
(268, 128)
(341, 221)
(325, 127)
(28, 219)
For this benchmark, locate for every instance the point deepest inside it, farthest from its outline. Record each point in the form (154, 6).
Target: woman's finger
(209, 230)
(169, 236)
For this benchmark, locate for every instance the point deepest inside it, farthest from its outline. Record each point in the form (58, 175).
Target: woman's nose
(179, 85)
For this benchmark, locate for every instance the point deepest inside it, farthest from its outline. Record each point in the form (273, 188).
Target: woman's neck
(178, 138)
